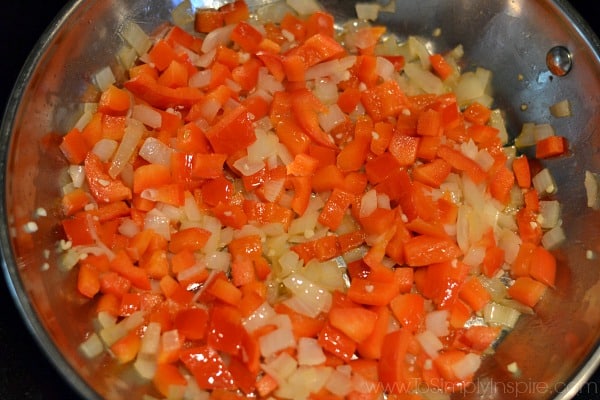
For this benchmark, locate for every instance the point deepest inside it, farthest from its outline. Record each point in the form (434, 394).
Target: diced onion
(304, 7)
(105, 148)
(128, 228)
(156, 152)
(467, 365)
(147, 115)
(92, 346)
(158, 222)
(136, 37)
(424, 79)
(542, 131)
(310, 352)
(200, 79)
(549, 213)
(561, 109)
(339, 383)
(333, 117)
(437, 322)
(217, 37)
(544, 183)
(591, 183)
(77, 174)
(133, 133)
(308, 298)
(526, 136)
(368, 203)
(430, 343)
(367, 11)
(259, 317)
(498, 314)
(554, 237)
(104, 78)
(281, 367)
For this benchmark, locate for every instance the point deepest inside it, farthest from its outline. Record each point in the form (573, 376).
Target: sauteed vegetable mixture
(292, 208)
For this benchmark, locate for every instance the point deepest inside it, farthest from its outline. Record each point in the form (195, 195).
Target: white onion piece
(467, 365)
(310, 352)
(437, 322)
(384, 68)
(158, 222)
(554, 237)
(273, 189)
(468, 88)
(133, 133)
(92, 346)
(259, 318)
(281, 367)
(592, 183)
(216, 37)
(267, 82)
(330, 69)
(509, 242)
(424, 79)
(147, 115)
(77, 174)
(543, 131)
(156, 152)
(367, 11)
(333, 117)
(111, 334)
(308, 297)
(128, 228)
(105, 148)
(275, 341)
(368, 203)
(430, 343)
(561, 109)
(474, 256)
(104, 78)
(136, 37)
(247, 167)
(339, 383)
(418, 49)
(304, 7)
(206, 59)
(326, 91)
(200, 79)
(526, 136)
(218, 260)
(549, 213)
(543, 182)
(498, 314)
(263, 147)
(383, 201)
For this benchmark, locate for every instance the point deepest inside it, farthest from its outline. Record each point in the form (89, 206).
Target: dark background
(25, 373)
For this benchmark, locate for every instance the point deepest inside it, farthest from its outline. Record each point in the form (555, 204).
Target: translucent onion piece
(133, 133)
(147, 115)
(367, 11)
(467, 365)
(430, 343)
(136, 37)
(304, 7)
(216, 37)
(437, 322)
(424, 79)
(544, 182)
(275, 341)
(310, 352)
(104, 78)
(105, 148)
(554, 237)
(561, 109)
(591, 184)
(156, 152)
(92, 346)
(308, 298)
